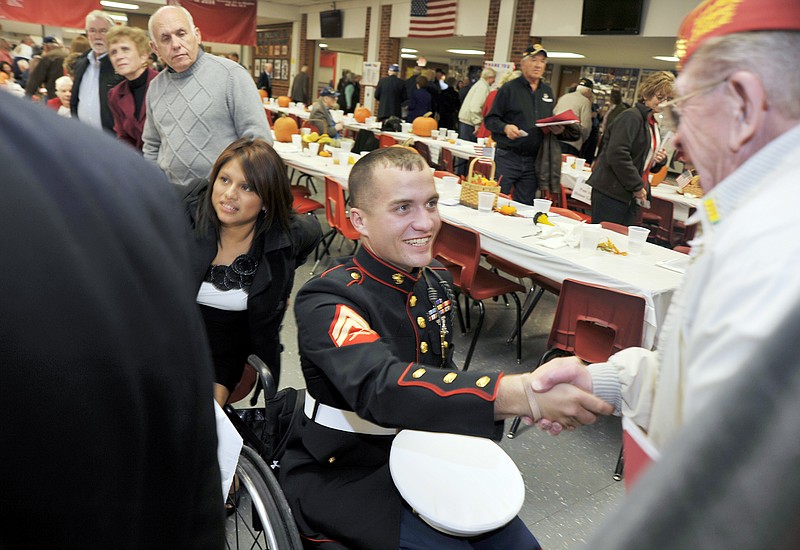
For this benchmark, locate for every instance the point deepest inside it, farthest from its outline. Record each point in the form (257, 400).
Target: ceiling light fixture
(323, 45)
(118, 5)
(408, 56)
(468, 52)
(120, 18)
(408, 50)
(670, 58)
(564, 55)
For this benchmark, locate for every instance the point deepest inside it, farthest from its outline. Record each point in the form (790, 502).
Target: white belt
(344, 421)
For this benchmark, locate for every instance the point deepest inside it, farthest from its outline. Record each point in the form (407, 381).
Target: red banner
(226, 21)
(46, 12)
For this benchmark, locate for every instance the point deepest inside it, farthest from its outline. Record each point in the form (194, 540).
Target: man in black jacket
(94, 76)
(390, 92)
(512, 121)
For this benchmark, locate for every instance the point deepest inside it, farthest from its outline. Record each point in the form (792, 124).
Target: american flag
(432, 18)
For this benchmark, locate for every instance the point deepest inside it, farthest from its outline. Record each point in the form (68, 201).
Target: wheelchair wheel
(261, 517)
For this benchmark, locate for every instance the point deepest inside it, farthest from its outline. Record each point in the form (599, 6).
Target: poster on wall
(500, 68)
(371, 73)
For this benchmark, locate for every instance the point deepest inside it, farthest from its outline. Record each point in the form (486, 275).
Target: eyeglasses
(671, 109)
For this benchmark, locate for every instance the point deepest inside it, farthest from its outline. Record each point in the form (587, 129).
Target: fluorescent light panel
(408, 56)
(120, 18)
(468, 52)
(118, 5)
(671, 58)
(564, 55)
(408, 50)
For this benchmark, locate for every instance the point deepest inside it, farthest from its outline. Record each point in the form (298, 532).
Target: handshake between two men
(555, 396)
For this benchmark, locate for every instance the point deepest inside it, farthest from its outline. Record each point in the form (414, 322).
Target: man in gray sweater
(197, 106)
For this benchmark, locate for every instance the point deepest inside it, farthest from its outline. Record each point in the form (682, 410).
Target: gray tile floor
(568, 479)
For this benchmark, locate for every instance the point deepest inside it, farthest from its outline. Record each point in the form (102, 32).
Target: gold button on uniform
(449, 377)
(398, 278)
(483, 381)
(421, 322)
(445, 344)
(331, 460)
(412, 301)
(423, 347)
(355, 276)
(418, 373)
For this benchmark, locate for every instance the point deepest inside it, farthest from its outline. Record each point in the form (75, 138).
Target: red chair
(337, 218)
(422, 149)
(659, 219)
(683, 233)
(313, 126)
(615, 227)
(592, 322)
(460, 247)
(302, 202)
(571, 214)
(385, 140)
(269, 117)
(447, 161)
(444, 174)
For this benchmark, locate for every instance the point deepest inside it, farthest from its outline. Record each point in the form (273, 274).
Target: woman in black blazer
(632, 143)
(247, 244)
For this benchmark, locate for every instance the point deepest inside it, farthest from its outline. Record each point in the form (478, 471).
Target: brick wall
(491, 30)
(522, 28)
(388, 47)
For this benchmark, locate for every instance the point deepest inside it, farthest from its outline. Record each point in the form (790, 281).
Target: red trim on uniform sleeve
(446, 393)
(349, 328)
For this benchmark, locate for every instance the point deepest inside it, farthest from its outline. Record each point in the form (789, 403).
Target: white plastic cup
(434, 134)
(482, 141)
(405, 127)
(591, 234)
(371, 120)
(346, 145)
(570, 160)
(579, 164)
(637, 236)
(542, 205)
(485, 202)
(292, 104)
(297, 141)
(450, 180)
(305, 131)
(313, 148)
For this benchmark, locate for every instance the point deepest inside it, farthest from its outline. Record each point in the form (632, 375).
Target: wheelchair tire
(261, 517)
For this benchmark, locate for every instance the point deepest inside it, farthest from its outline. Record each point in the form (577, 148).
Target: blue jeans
(518, 172)
(415, 534)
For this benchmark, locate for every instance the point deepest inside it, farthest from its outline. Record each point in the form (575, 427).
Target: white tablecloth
(508, 237)
(682, 203)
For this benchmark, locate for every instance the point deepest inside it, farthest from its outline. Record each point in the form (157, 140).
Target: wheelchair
(259, 517)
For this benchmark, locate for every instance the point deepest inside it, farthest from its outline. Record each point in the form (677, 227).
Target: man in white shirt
(94, 76)
(470, 115)
(580, 101)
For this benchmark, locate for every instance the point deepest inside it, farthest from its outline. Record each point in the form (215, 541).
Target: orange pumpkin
(283, 100)
(361, 114)
(405, 145)
(284, 127)
(263, 94)
(423, 125)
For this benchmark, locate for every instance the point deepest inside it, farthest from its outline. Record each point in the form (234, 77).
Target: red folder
(637, 450)
(567, 117)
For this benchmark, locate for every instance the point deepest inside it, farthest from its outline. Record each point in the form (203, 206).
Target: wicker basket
(469, 191)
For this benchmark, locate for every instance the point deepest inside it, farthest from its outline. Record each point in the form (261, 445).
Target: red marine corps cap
(722, 17)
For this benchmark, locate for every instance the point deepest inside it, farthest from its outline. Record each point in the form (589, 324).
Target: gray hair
(488, 72)
(62, 79)
(767, 54)
(162, 8)
(99, 14)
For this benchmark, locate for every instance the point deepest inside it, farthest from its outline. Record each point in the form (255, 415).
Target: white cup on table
(297, 140)
(346, 145)
(305, 131)
(450, 180)
(570, 160)
(637, 236)
(405, 127)
(313, 149)
(485, 202)
(434, 134)
(371, 120)
(591, 235)
(482, 142)
(542, 205)
(580, 163)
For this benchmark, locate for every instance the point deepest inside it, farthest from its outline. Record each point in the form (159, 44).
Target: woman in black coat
(631, 144)
(247, 244)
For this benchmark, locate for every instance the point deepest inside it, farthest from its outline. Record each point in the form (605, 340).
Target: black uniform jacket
(618, 171)
(279, 254)
(108, 79)
(367, 344)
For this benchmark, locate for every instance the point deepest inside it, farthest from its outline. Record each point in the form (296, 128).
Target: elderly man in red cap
(737, 117)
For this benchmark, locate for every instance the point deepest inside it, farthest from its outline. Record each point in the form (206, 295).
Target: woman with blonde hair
(129, 53)
(632, 149)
